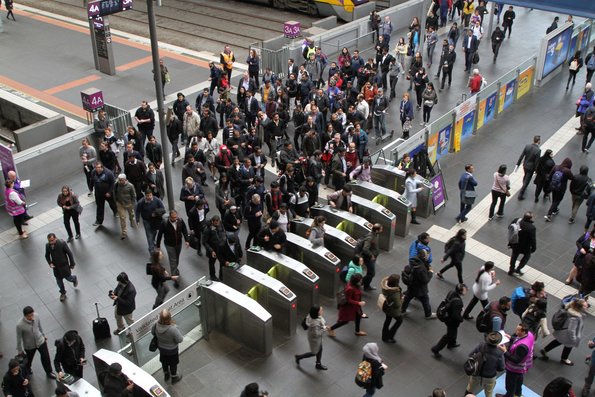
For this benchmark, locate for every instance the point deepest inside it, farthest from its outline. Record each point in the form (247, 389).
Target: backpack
(556, 181)
(513, 232)
(407, 275)
(341, 298)
(381, 301)
(359, 247)
(363, 376)
(343, 273)
(519, 300)
(591, 63)
(482, 322)
(587, 191)
(573, 65)
(443, 310)
(475, 362)
(449, 244)
(559, 320)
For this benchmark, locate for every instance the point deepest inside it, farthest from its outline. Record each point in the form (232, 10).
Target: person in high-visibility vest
(227, 59)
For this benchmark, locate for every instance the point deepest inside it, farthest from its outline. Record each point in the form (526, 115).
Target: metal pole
(160, 111)
(492, 9)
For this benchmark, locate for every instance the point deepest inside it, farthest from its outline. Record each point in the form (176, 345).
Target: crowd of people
(317, 125)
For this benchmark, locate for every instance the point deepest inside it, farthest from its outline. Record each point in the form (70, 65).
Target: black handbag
(154, 344)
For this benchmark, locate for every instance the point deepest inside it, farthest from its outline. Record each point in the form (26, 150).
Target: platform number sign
(102, 8)
(92, 99)
(292, 29)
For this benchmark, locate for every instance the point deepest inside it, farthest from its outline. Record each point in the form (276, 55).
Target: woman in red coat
(352, 309)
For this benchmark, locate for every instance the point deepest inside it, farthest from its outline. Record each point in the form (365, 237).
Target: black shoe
(468, 317)
(415, 222)
(176, 284)
(199, 253)
(28, 217)
(321, 367)
(97, 223)
(521, 197)
(537, 199)
(453, 346)
(369, 288)
(389, 340)
(26, 223)
(166, 376)
(297, 359)
(519, 272)
(176, 379)
(436, 353)
(51, 375)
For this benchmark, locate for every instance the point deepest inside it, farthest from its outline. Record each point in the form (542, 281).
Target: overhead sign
(102, 8)
(92, 99)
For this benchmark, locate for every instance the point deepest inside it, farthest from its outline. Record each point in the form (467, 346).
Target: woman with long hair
(575, 64)
(253, 62)
(351, 310)
(168, 339)
(500, 190)
(455, 250)
(411, 189)
(391, 307)
(71, 208)
(316, 328)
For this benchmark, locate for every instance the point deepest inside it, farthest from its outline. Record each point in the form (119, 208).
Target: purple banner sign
(438, 192)
(7, 161)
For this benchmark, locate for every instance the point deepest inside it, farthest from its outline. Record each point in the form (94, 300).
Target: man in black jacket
(454, 309)
(418, 288)
(124, 297)
(115, 383)
(61, 260)
(103, 185)
(530, 159)
(447, 64)
(272, 238)
(173, 228)
(213, 236)
(229, 252)
(493, 354)
(580, 188)
(70, 355)
(527, 244)
(370, 252)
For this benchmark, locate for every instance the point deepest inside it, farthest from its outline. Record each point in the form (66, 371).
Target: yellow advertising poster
(433, 146)
(481, 113)
(502, 98)
(525, 81)
(458, 133)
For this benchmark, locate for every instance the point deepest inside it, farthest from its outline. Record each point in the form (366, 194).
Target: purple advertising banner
(438, 193)
(7, 161)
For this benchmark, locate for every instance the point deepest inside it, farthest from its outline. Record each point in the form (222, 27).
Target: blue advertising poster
(585, 40)
(573, 48)
(557, 50)
(490, 108)
(509, 97)
(468, 124)
(444, 141)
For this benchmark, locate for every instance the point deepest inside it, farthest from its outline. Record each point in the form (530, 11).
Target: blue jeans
(379, 125)
(151, 235)
(60, 282)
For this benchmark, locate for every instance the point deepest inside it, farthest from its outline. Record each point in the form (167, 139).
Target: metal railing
(119, 118)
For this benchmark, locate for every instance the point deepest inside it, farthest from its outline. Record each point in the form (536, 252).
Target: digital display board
(102, 8)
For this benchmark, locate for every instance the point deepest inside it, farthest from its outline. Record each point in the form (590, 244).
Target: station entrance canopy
(582, 8)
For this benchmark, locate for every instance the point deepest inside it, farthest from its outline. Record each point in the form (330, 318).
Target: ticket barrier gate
(376, 213)
(238, 316)
(338, 242)
(326, 264)
(295, 275)
(145, 385)
(272, 294)
(352, 224)
(394, 179)
(391, 200)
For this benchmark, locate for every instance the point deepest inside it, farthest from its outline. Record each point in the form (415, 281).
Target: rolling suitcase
(100, 326)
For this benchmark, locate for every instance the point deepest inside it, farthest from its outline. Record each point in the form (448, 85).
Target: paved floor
(220, 367)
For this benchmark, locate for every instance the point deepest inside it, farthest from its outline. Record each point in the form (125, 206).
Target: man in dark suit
(470, 47)
(385, 66)
(467, 185)
(530, 159)
(527, 244)
(246, 82)
(339, 169)
(61, 260)
(251, 108)
(228, 252)
(204, 99)
(291, 67)
(259, 162)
